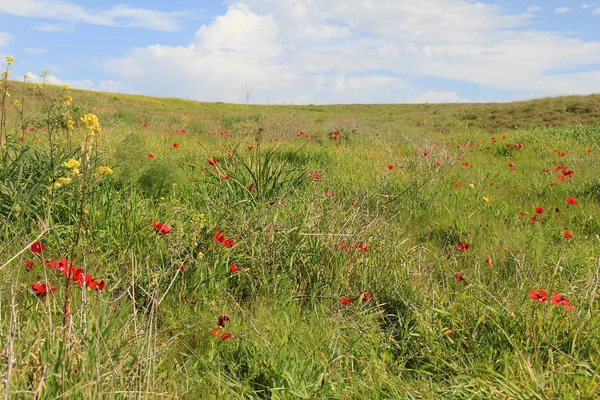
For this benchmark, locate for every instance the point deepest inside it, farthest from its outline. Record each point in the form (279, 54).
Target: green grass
(422, 335)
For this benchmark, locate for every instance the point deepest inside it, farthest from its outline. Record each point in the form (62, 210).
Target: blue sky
(310, 51)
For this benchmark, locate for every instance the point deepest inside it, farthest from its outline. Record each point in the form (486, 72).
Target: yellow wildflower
(200, 254)
(10, 60)
(60, 182)
(71, 163)
(5, 75)
(486, 199)
(65, 86)
(103, 170)
(70, 124)
(91, 123)
(471, 186)
(68, 100)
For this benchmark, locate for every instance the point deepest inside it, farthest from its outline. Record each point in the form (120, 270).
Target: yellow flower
(71, 163)
(91, 123)
(471, 186)
(65, 86)
(68, 100)
(60, 182)
(104, 171)
(17, 103)
(200, 254)
(10, 60)
(5, 75)
(70, 124)
(486, 199)
(45, 74)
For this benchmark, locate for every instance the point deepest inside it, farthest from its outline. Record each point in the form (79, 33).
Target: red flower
(561, 301)
(213, 161)
(533, 219)
(315, 175)
(224, 177)
(562, 155)
(219, 237)
(539, 210)
(36, 247)
(436, 163)
(150, 155)
(344, 301)
(465, 164)
(175, 145)
(329, 194)
(539, 295)
(390, 166)
(161, 229)
(183, 267)
(29, 265)
(511, 164)
(459, 278)
(42, 289)
(250, 148)
(366, 296)
(568, 234)
(489, 261)
(233, 268)
(221, 335)
(250, 187)
(462, 246)
(588, 150)
(223, 319)
(571, 201)
(228, 243)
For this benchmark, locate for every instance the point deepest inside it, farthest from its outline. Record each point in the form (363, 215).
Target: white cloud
(5, 39)
(46, 27)
(119, 15)
(533, 8)
(562, 10)
(344, 51)
(585, 6)
(35, 50)
(596, 11)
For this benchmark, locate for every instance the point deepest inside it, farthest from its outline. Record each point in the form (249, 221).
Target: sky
(309, 51)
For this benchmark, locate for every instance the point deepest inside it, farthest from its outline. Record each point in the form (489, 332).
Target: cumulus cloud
(35, 50)
(119, 15)
(585, 6)
(344, 51)
(533, 8)
(562, 10)
(46, 27)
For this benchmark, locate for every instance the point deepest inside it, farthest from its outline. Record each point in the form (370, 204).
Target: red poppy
(366, 296)
(491, 183)
(224, 177)
(539, 210)
(36, 247)
(29, 265)
(219, 237)
(250, 187)
(161, 229)
(228, 243)
(175, 145)
(250, 148)
(571, 201)
(561, 301)
(329, 194)
(462, 246)
(511, 164)
(568, 234)
(150, 155)
(390, 166)
(588, 150)
(489, 261)
(465, 164)
(448, 332)
(344, 301)
(315, 175)
(539, 295)
(223, 319)
(521, 214)
(233, 268)
(562, 155)
(459, 278)
(213, 161)
(436, 163)
(183, 267)
(42, 289)
(533, 219)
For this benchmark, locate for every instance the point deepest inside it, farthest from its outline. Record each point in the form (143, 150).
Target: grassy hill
(202, 250)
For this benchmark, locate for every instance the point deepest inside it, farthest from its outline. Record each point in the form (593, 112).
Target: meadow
(164, 248)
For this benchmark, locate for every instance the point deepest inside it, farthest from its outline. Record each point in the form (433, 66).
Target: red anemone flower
(539, 210)
(250, 148)
(538, 295)
(220, 335)
(42, 289)
(390, 166)
(150, 155)
(36, 247)
(465, 164)
(223, 319)
(511, 164)
(175, 145)
(568, 234)
(161, 229)
(233, 268)
(571, 201)
(462, 246)
(366, 296)
(344, 301)
(561, 301)
(228, 243)
(219, 237)
(459, 278)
